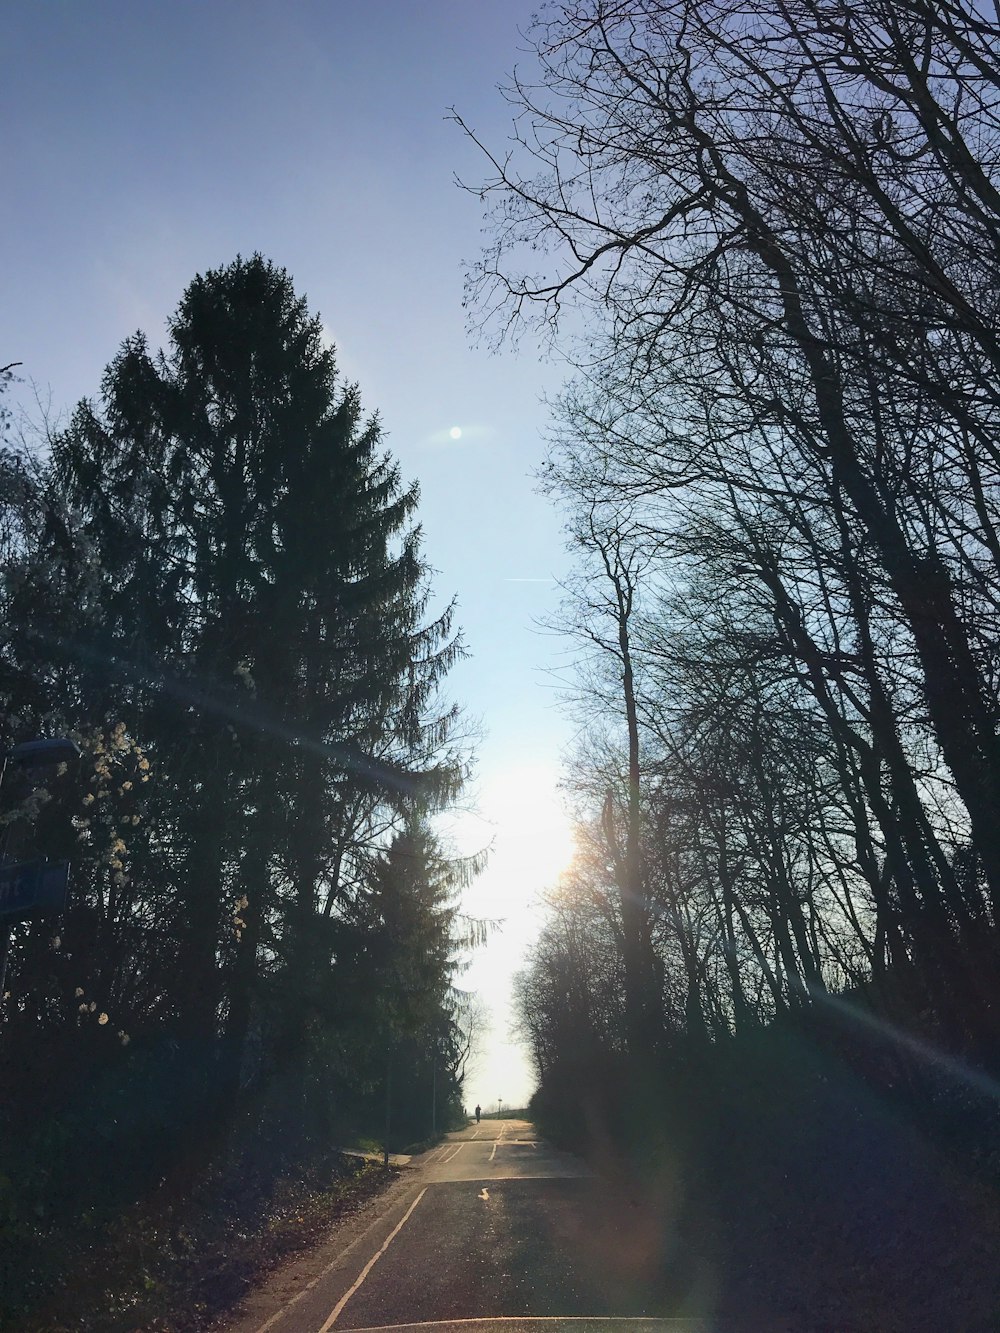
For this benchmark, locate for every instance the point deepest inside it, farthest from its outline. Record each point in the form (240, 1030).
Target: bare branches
(777, 225)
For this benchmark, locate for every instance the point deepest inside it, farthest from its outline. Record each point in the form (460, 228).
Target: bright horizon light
(521, 807)
(519, 810)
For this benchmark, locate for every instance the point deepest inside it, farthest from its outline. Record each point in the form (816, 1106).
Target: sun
(456, 432)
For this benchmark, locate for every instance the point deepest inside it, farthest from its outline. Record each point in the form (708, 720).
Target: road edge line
(338, 1308)
(339, 1257)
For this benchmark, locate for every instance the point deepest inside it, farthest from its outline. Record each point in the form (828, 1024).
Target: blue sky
(146, 142)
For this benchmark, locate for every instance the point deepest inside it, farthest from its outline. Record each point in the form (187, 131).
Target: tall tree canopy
(776, 227)
(215, 581)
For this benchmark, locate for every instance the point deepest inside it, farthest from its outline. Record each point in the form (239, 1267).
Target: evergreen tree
(213, 580)
(266, 606)
(398, 946)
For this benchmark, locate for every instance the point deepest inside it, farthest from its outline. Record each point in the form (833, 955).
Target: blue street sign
(43, 754)
(29, 888)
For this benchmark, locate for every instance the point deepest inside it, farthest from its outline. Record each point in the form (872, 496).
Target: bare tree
(600, 611)
(785, 218)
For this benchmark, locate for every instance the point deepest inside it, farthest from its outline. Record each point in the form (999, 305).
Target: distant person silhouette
(479, 1112)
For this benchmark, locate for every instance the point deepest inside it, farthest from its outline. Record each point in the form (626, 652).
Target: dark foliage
(213, 582)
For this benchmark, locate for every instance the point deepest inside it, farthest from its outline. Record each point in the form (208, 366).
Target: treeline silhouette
(211, 578)
(768, 237)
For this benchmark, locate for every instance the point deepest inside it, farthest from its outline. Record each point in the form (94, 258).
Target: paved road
(494, 1223)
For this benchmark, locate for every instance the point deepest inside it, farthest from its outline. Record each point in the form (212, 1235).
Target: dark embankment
(802, 1184)
(182, 1253)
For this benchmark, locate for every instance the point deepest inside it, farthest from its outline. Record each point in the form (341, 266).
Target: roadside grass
(177, 1267)
(366, 1144)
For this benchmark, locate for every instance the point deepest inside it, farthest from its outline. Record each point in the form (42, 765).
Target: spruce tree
(266, 616)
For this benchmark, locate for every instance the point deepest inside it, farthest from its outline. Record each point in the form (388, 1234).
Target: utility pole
(388, 1104)
(434, 1094)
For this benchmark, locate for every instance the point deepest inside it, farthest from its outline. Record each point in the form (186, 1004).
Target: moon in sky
(455, 432)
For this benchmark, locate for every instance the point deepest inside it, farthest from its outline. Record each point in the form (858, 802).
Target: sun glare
(533, 833)
(456, 432)
(521, 812)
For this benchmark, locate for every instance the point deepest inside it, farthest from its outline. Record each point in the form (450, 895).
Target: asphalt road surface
(492, 1224)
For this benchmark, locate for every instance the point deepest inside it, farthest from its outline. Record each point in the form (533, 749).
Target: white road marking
(520, 1318)
(494, 1152)
(485, 1193)
(335, 1313)
(454, 1154)
(294, 1301)
(280, 1314)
